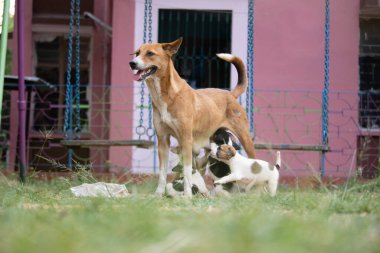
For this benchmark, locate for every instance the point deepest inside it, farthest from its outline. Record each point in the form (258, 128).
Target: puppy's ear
(172, 47)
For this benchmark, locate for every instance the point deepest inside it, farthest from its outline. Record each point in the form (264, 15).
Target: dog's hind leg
(242, 132)
(237, 122)
(163, 143)
(249, 186)
(272, 187)
(261, 188)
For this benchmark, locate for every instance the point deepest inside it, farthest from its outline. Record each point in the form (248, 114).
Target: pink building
(288, 76)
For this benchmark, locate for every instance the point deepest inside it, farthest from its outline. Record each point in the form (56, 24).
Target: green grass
(45, 217)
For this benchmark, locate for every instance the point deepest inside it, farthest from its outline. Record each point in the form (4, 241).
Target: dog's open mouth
(142, 74)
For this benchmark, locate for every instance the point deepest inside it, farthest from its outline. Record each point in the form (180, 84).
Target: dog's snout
(133, 64)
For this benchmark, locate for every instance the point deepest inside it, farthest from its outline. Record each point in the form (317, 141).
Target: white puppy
(245, 171)
(175, 188)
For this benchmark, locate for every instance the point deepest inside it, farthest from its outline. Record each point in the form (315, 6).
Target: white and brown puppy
(247, 172)
(191, 116)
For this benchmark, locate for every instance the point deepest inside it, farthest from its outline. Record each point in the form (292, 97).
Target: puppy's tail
(242, 83)
(278, 160)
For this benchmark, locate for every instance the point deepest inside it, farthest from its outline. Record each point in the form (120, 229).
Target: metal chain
(140, 129)
(68, 100)
(150, 130)
(68, 124)
(249, 60)
(149, 21)
(325, 96)
(325, 93)
(250, 66)
(77, 69)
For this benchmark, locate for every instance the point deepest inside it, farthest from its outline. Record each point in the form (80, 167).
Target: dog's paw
(218, 191)
(205, 194)
(159, 192)
(188, 194)
(217, 182)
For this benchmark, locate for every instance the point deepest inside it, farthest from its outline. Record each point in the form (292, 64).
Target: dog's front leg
(187, 152)
(229, 178)
(163, 143)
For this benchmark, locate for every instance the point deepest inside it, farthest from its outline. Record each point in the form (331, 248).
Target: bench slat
(323, 148)
(107, 143)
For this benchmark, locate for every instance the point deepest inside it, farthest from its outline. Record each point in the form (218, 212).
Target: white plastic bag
(100, 189)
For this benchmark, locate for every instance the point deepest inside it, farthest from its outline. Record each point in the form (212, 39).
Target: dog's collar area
(142, 74)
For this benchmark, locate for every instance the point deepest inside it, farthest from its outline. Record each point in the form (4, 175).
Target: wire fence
(112, 112)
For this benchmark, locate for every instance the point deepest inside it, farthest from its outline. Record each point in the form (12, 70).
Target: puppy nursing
(245, 171)
(217, 169)
(230, 171)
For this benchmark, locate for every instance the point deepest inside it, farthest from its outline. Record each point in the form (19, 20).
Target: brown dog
(191, 116)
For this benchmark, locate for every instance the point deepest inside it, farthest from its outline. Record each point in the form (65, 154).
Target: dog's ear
(172, 47)
(135, 52)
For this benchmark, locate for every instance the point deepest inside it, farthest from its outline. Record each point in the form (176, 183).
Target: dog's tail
(242, 83)
(278, 160)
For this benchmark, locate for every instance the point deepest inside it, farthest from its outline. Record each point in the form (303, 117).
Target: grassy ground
(45, 217)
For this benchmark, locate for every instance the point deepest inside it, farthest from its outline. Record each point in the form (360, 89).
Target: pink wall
(289, 55)
(289, 41)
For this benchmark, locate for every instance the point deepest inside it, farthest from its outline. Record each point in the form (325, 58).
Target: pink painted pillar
(344, 76)
(121, 95)
(28, 68)
(100, 80)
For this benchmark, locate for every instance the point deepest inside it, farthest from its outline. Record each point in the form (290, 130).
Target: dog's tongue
(138, 75)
